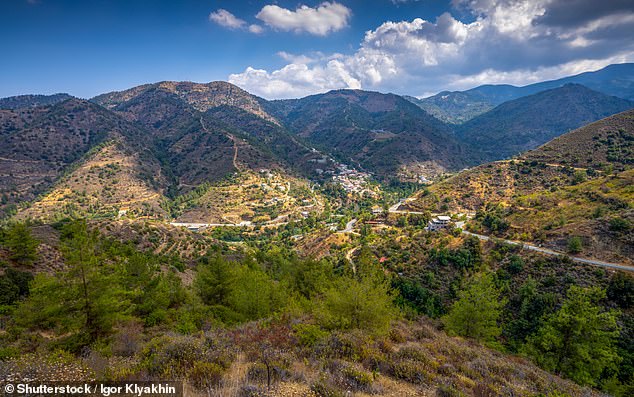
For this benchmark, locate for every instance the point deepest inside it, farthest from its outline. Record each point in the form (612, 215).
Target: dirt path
(234, 378)
(233, 139)
(349, 259)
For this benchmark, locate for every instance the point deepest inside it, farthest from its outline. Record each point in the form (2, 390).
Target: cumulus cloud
(225, 18)
(505, 41)
(304, 76)
(321, 20)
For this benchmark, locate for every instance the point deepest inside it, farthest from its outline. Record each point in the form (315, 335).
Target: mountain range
(139, 147)
(382, 133)
(460, 106)
(527, 122)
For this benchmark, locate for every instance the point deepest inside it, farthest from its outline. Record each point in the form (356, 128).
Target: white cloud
(321, 20)
(257, 29)
(507, 41)
(292, 58)
(225, 18)
(296, 79)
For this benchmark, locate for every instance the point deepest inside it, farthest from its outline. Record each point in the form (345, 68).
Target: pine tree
(255, 295)
(21, 244)
(476, 313)
(361, 302)
(87, 297)
(579, 340)
(575, 245)
(214, 281)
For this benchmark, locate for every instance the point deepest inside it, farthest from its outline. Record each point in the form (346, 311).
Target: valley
(344, 243)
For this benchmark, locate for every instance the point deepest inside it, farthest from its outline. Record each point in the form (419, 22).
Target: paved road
(557, 253)
(349, 227)
(205, 225)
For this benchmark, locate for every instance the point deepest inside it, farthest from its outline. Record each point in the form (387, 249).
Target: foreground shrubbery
(250, 319)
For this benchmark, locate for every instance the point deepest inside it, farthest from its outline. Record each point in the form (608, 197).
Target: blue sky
(280, 49)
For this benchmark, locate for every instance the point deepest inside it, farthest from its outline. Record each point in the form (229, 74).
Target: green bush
(620, 225)
(575, 245)
(410, 371)
(309, 334)
(204, 375)
(323, 388)
(357, 379)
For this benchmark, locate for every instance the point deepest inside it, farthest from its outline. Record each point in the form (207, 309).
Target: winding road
(349, 227)
(547, 251)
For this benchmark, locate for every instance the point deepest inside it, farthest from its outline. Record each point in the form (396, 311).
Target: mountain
(453, 107)
(31, 101)
(460, 106)
(39, 144)
(132, 152)
(525, 123)
(579, 184)
(382, 133)
(203, 132)
(201, 97)
(111, 180)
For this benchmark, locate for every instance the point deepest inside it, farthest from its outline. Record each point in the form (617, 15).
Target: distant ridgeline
(139, 148)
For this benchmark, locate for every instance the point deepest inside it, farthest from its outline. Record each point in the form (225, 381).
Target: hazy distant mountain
(525, 123)
(384, 133)
(453, 107)
(29, 101)
(460, 106)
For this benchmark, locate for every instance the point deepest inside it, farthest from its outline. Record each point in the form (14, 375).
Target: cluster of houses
(351, 180)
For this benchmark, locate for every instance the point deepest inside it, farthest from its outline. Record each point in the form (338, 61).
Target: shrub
(580, 176)
(620, 225)
(14, 284)
(516, 265)
(575, 245)
(410, 371)
(357, 379)
(309, 334)
(324, 388)
(171, 356)
(204, 375)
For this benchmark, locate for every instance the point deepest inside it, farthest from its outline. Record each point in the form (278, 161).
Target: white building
(438, 223)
